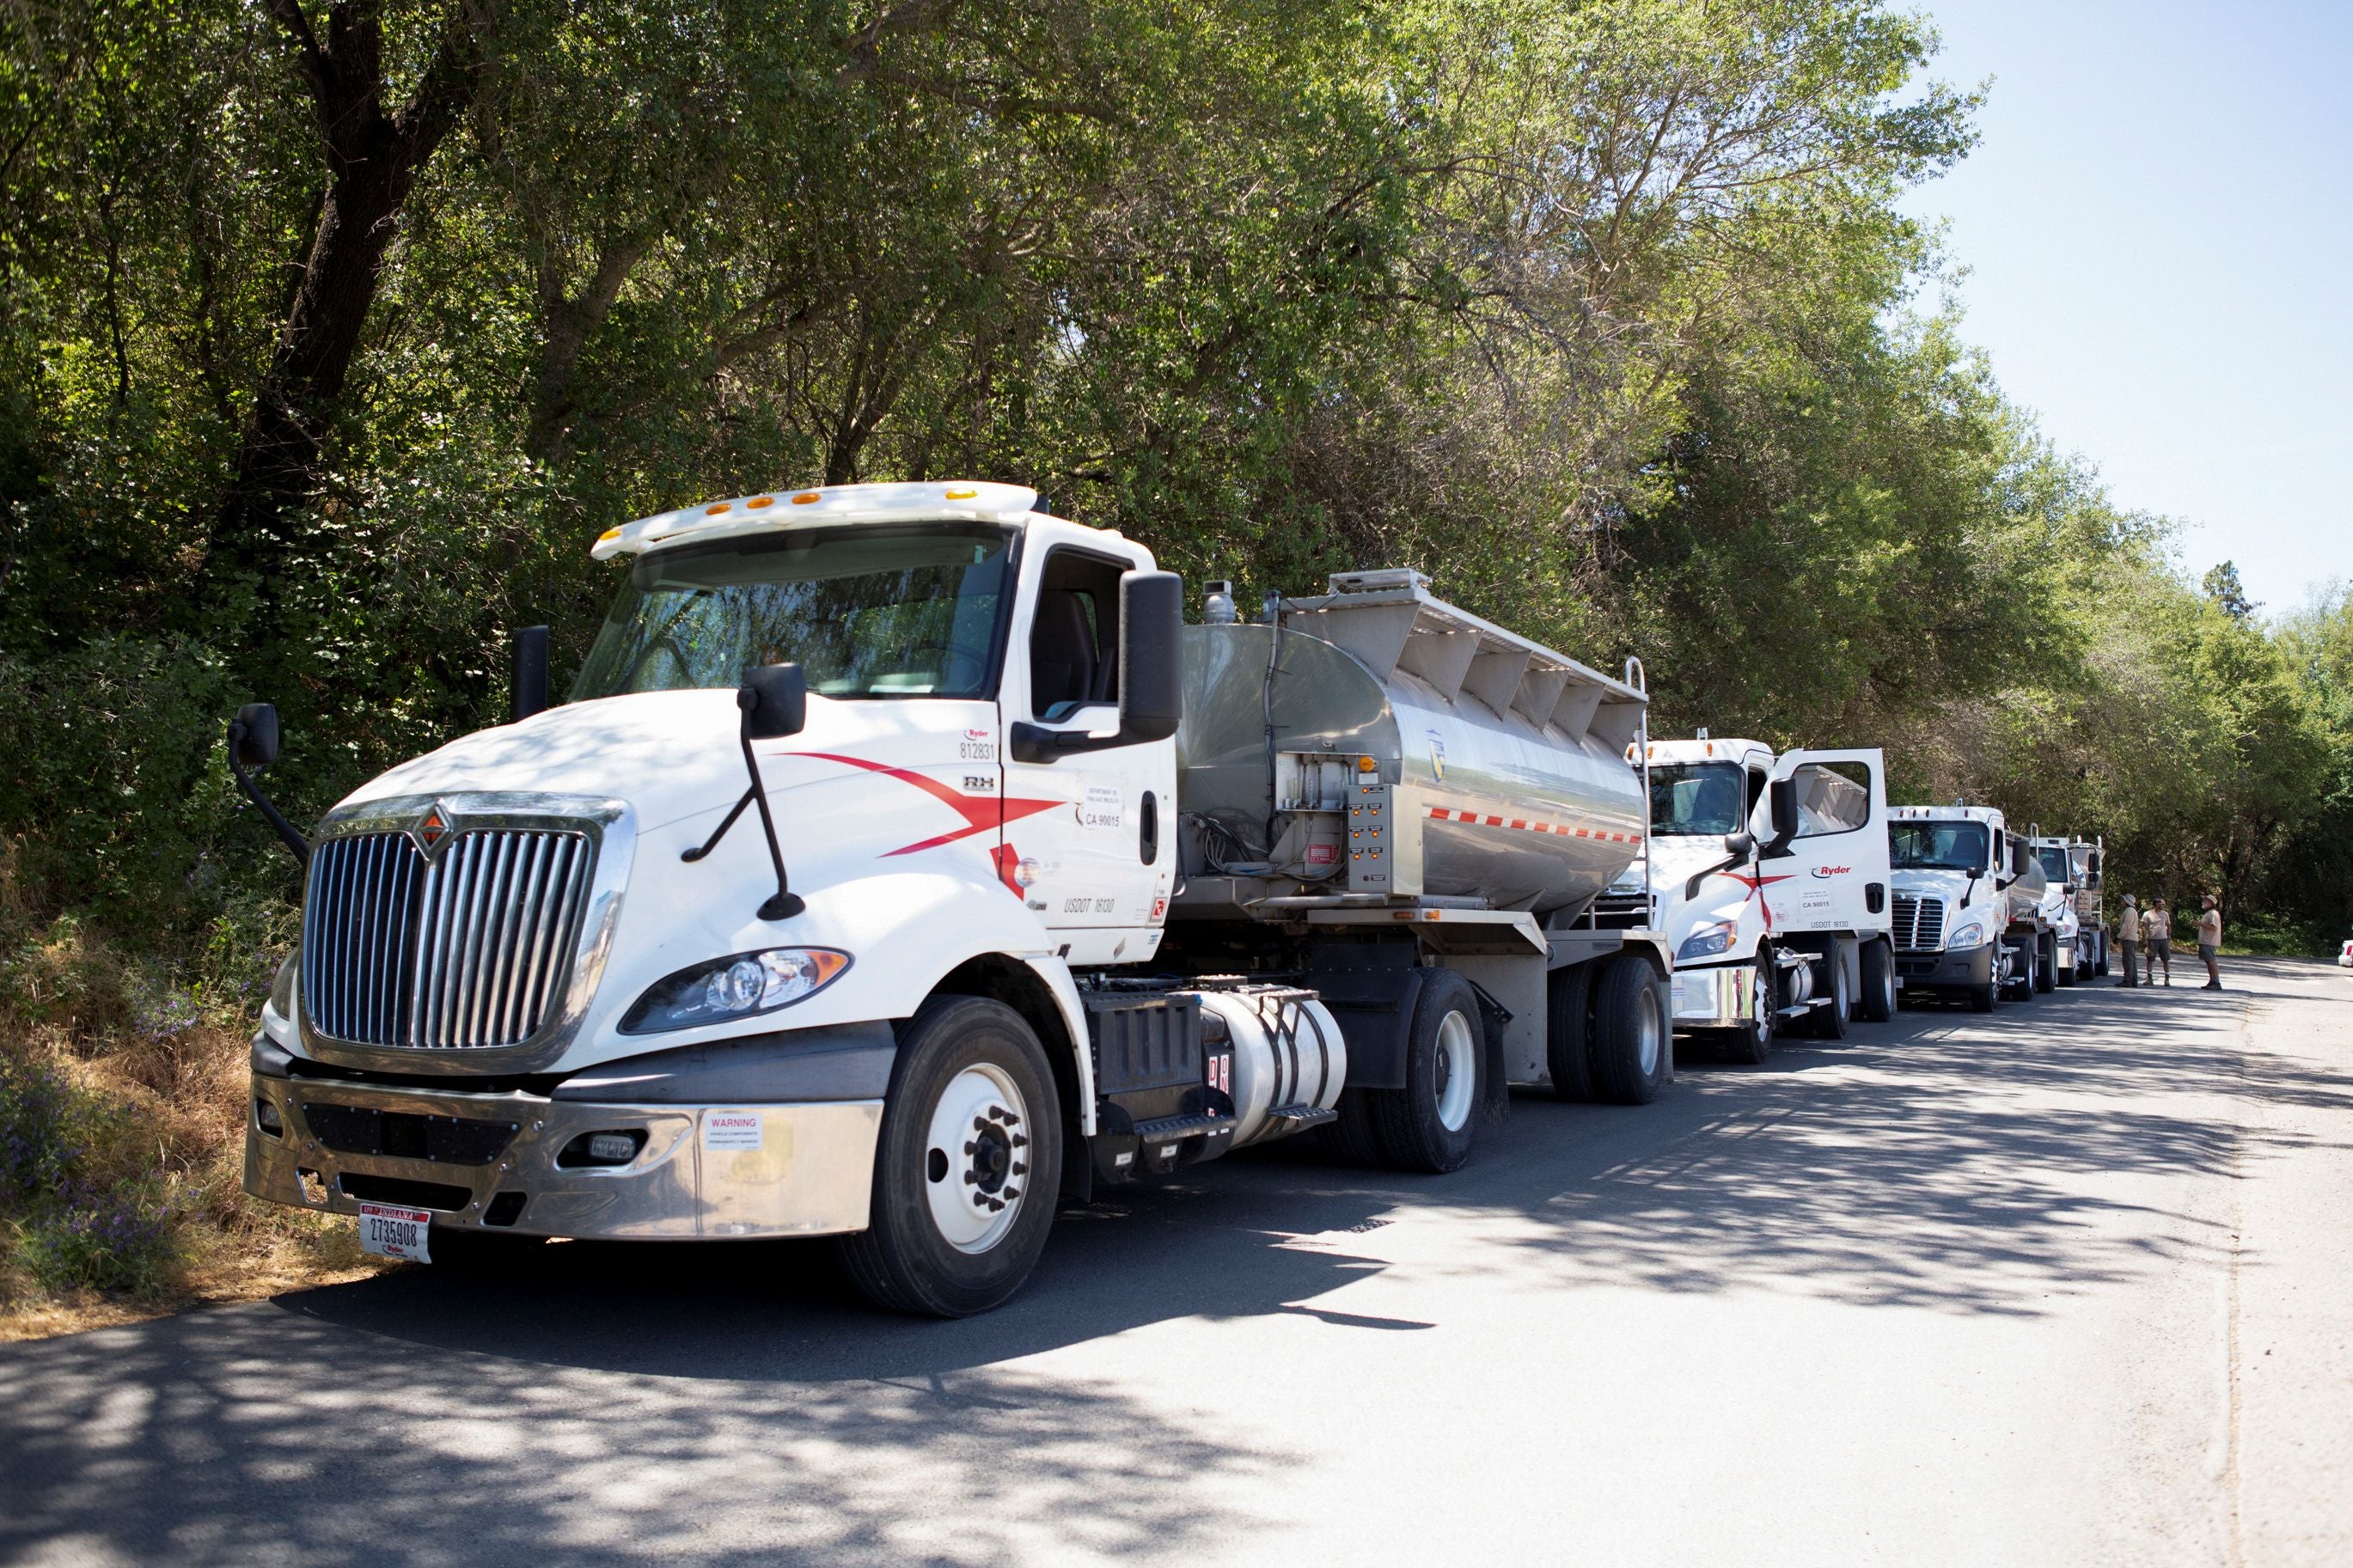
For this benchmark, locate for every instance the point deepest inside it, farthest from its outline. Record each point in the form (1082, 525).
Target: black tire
(1567, 1051)
(1430, 1123)
(904, 1262)
(1878, 1001)
(1631, 1033)
(2046, 965)
(1830, 1022)
(1351, 1139)
(2100, 956)
(1751, 1044)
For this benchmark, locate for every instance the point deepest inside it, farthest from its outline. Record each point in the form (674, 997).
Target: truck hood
(669, 754)
(1947, 886)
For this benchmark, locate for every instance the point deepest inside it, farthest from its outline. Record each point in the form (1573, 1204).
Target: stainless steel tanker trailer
(1044, 890)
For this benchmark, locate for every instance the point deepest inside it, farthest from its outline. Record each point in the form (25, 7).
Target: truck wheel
(1830, 1022)
(1877, 1004)
(965, 1172)
(1568, 997)
(1426, 1125)
(1983, 998)
(1752, 1042)
(1630, 1038)
(1351, 1140)
(2046, 965)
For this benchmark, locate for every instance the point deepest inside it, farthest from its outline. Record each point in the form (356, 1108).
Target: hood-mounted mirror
(773, 701)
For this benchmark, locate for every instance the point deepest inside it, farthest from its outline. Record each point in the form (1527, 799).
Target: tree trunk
(373, 159)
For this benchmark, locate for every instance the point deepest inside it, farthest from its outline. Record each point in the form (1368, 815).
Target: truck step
(1200, 1125)
(1298, 1118)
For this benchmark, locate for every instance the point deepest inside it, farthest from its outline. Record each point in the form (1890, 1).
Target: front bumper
(718, 1170)
(1722, 997)
(1953, 970)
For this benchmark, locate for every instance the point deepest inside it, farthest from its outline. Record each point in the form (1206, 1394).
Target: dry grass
(153, 1064)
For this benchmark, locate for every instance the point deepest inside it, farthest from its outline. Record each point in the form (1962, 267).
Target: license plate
(390, 1232)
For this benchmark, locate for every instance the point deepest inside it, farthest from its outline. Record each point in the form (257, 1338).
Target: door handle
(1149, 829)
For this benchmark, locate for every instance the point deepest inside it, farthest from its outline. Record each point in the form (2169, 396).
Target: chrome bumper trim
(1720, 998)
(798, 1170)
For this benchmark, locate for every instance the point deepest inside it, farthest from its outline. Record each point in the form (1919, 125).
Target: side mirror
(530, 672)
(253, 743)
(1782, 804)
(2091, 870)
(1151, 654)
(1151, 674)
(775, 701)
(1740, 846)
(253, 735)
(2017, 856)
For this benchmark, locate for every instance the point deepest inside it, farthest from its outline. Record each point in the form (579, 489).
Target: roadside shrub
(122, 1239)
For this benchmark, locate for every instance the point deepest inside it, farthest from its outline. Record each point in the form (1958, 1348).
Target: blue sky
(2157, 229)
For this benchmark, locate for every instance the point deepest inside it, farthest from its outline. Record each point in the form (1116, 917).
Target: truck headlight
(1968, 933)
(739, 986)
(1707, 941)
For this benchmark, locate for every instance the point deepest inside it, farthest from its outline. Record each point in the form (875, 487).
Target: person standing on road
(2210, 941)
(2157, 935)
(2128, 938)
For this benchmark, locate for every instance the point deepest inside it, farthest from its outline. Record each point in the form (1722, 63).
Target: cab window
(1074, 635)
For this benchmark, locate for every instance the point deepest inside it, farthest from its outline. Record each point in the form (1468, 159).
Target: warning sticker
(726, 1130)
(1102, 808)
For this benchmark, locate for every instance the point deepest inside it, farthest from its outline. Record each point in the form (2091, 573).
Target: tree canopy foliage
(333, 330)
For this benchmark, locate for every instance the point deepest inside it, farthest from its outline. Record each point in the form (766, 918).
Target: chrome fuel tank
(1374, 720)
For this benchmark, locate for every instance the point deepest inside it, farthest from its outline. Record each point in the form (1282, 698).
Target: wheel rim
(1458, 1072)
(1763, 988)
(1887, 987)
(1649, 1036)
(975, 1158)
(1840, 999)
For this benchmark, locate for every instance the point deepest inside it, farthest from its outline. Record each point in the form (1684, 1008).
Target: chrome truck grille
(471, 949)
(1917, 923)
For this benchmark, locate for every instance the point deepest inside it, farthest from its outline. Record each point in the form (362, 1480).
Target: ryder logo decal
(1827, 872)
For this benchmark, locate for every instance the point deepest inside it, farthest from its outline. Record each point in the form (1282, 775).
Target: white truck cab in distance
(2072, 872)
(1968, 916)
(1770, 875)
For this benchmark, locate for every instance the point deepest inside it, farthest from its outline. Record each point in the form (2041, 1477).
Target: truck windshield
(1937, 846)
(2054, 864)
(870, 610)
(1688, 799)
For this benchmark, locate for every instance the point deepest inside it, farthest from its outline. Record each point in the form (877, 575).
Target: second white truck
(1769, 877)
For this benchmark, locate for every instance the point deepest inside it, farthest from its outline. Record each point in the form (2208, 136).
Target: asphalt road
(2070, 1284)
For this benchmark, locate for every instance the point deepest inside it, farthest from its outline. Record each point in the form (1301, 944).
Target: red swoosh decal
(1757, 885)
(980, 812)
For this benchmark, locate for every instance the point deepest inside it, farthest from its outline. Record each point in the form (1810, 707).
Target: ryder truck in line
(902, 864)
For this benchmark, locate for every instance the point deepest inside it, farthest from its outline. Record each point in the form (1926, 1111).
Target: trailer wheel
(1752, 1042)
(1878, 1001)
(2046, 963)
(1567, 1054)
(1830, 1022)
(2021, 979)
(1428, 1125)
(965, 1172)
(1630, 1034)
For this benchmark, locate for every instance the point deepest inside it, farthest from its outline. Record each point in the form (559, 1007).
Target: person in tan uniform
(2210, 941)
(2128, 938)
(2156, 939)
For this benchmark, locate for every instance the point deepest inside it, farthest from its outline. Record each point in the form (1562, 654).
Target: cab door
(1831, 873)
(1090, 836)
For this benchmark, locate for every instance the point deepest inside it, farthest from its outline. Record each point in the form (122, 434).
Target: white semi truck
(1769, 876)
(2073, 873)
(1968, 916)
(902, 865)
